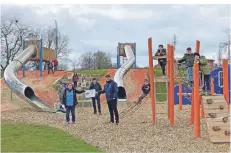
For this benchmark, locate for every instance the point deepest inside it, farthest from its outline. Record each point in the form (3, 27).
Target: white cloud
(101, 27)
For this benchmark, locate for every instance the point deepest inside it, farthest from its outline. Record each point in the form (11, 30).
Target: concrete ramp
(217, 118)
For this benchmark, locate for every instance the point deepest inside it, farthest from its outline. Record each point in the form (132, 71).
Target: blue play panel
(186, 99)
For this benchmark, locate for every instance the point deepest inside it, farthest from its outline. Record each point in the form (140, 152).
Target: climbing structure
(214, 108)
(217, 118)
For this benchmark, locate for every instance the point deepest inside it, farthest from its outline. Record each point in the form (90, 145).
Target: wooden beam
(159, 57)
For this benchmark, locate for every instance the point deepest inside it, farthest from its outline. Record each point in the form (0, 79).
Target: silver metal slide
(23, 91)
(119, 75)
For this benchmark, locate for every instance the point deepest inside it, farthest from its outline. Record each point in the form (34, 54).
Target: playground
(172, 125)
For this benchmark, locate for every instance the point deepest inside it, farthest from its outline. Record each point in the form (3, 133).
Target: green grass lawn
(99, 72)
(40, 138)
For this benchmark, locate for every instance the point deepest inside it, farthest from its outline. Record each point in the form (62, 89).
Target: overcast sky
(101, 27)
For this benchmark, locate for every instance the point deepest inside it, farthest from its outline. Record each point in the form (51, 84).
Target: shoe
(100, 113)
(73, 122)
(111, 122)
(117, 122)
(67, 122)
(95, 113)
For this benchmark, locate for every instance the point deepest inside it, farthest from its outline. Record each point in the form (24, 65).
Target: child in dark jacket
(95, 85)
(70, 101)
(163, 61)
(145, 91)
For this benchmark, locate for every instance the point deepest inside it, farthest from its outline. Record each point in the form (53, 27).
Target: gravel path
(134, 133)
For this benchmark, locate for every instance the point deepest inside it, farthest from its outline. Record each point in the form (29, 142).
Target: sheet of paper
(90, 93)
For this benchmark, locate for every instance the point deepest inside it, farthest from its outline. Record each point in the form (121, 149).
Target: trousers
(112, 106)
(72, 110)
(94, 100)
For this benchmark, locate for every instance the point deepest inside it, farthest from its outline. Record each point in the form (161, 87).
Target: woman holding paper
(95, 85)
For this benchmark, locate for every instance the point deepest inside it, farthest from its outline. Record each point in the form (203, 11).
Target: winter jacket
(111, 90)
(74, 96)
(75, 78)
(97, 87)
(55, 62)
(204, 67)
(144, 88)
(162, 53)
(188, 59)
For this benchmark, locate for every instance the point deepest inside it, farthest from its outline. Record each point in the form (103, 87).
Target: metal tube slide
(23, 91)
(119, 75)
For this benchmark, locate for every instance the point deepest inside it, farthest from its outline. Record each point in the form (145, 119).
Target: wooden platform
(166, 79)
(217, 136)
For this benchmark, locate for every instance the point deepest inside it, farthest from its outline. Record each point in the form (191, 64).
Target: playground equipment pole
(202, 108)
(180, 96)
(118, 56)
(171, 84)
(168, 63)
(192, 108)
(41, 58)
(212, 85)
(151, 80)
(196, 101)
(225, 80)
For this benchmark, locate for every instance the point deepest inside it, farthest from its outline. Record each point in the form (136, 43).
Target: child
(162, 52)
(70, 101)
(189, 61)
(205, 68)
(50, 67)
(75, 79)
(61, 91)
(145, 91)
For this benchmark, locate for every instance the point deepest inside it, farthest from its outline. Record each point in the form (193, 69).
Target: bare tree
(63, 66)
(101, 60)
(175, 41)
(74, 63)
(226, 44)
(87, 61)
(49, 41)
(219, 54)
(12, 34)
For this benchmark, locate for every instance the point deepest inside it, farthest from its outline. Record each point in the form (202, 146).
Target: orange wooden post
(225, 80)
(196, 101)
(151, 80)
(202, 108)
(212, 85)
(171, 84)
(180, 96)
(168, 63)
(197, 49)
(192, 108)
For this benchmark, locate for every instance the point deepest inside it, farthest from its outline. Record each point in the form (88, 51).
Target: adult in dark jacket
(111, 91)
(162, 61)
(95, 85)
(70, 101)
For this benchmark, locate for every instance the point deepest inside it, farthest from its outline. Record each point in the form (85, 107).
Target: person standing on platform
(162, 61)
